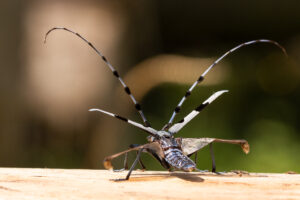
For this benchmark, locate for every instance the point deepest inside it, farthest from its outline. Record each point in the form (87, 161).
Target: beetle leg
(134, 163)
(212, 158)
(140, 160)
(190, 146)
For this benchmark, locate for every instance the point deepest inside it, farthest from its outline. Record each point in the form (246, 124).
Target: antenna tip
(46, 35)
(222, 91)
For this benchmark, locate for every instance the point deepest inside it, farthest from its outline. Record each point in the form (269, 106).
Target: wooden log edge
(28, 183)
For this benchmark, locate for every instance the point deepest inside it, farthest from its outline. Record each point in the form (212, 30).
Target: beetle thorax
(167, 143)
(160, 134)
(164, 134)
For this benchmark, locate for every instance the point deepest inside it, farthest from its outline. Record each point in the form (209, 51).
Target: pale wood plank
(19, 183)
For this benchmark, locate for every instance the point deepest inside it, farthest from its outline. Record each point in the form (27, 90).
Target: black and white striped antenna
(201, 78)
(149, 130)
(179, 125)
(114, 71)
(176, 127)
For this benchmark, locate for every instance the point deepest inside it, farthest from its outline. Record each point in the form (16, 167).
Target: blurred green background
(160, 48)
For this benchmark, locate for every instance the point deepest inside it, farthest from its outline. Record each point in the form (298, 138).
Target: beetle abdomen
(177, 159)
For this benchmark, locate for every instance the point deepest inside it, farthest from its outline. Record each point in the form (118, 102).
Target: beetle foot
(119, 170)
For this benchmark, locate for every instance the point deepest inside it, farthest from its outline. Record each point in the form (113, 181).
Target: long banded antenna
(149, 130)
(178, 126)
(201, 78)
(114, 71)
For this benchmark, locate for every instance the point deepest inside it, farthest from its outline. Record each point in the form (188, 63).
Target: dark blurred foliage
(262, 105)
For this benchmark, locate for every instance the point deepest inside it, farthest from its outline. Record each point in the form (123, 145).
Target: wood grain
(19, 183)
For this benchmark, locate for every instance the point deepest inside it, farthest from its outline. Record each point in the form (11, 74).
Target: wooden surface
(18, 183)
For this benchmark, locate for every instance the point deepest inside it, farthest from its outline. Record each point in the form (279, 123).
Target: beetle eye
(150, 138)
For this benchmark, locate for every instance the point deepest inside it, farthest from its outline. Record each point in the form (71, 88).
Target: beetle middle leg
(126, 160)
(134, 163)
(152, 148)
(213, 169)
(191, 145)
(212, 157)
(140, 159)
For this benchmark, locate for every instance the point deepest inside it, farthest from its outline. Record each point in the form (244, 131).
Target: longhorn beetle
(171, 152)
